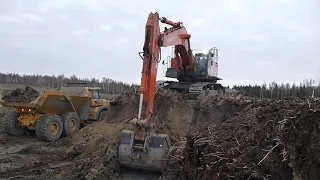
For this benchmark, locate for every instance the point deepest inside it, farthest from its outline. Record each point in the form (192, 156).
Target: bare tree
(60, 80)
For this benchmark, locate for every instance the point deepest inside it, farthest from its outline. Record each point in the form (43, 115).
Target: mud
(21, 95)
(214, 138)
(3, 111)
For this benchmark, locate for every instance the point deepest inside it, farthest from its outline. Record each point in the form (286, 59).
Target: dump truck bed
(66, 99)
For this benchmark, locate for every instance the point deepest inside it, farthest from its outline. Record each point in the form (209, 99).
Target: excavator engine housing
(151, 158)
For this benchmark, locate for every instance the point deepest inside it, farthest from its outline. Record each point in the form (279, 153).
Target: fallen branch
(267, 154)
(239, 150)
(231, 164)
(215, 155)
(175, 157)
(237, 142)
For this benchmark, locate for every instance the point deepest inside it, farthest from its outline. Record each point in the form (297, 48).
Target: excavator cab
(206, 64)
(201, 64)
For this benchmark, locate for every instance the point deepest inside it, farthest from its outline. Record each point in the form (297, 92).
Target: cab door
(95, 100)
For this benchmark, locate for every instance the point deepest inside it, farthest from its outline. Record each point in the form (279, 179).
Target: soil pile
(173, 112)
(93, 151)
(21, 95)
(124, 107)
(265, 140)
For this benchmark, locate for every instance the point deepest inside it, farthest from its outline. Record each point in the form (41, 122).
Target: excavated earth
(21, 95)
(261, 139)
(214, 138)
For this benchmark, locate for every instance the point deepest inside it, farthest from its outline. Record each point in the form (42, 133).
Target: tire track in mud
(29, 158)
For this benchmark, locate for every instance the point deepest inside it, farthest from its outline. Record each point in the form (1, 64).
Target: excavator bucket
(154, 158)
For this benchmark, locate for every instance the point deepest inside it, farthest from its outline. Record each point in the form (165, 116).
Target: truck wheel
(11, 125)
(49, 127)
(102, 115)
(71, 123)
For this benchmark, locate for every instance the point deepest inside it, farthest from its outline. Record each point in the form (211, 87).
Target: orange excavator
(142, 148)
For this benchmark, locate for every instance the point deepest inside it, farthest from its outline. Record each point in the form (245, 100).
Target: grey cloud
(258, 41)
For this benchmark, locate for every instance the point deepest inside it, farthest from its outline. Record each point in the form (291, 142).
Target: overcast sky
(258, 41)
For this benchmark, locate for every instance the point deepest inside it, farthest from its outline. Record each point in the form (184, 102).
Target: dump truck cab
(98, 105)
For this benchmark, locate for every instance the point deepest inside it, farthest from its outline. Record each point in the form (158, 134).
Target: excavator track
(197, 88)
(193, 88)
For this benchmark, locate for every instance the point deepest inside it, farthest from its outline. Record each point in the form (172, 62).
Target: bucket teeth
(138, 147)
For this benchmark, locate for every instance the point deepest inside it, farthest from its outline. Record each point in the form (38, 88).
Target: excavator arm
(150, 57)
(178, 37)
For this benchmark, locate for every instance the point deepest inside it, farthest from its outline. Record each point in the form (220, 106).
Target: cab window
(95, 95)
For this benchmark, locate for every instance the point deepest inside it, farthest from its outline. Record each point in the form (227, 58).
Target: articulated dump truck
(53, 114)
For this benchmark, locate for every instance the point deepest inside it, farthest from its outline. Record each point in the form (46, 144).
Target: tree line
(272, 90)
(106, 84)
(307, 88)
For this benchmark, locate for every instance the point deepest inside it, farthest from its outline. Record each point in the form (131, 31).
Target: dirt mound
(265, 140)
(124, 107)
(93, 151)
(21, 95)
(176, 113)
(173, 113)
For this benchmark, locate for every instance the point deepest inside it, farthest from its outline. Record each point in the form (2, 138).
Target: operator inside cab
(201, 64)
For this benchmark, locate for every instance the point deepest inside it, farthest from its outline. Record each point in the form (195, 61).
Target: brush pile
(265, 140)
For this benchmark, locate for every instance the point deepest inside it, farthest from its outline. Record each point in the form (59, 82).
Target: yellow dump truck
(55, 113)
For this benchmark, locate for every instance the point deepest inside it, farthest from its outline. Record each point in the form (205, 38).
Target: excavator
(143, 148)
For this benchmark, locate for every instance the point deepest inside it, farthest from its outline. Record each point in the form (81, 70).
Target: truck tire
(71, 123)
(11, 126)
(49, 127)
(102, 115)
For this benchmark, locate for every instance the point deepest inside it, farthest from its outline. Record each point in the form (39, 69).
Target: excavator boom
(178, 37)
(142, 148)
